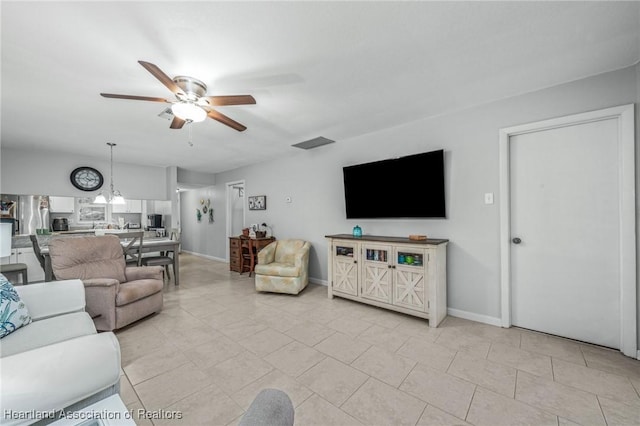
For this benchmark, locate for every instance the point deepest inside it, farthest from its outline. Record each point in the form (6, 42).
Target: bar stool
(17, 269)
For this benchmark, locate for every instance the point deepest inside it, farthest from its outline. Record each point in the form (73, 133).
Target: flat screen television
(405, 187)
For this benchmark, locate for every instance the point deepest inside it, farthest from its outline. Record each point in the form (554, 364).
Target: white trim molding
(485, 319)
(206, 256)
(627, 233)
(229, 207)
(318, 281)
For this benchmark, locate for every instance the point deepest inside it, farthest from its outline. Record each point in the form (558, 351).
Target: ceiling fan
(192, 104)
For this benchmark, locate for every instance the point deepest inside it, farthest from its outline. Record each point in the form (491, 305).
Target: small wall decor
(258, 202)
(198, 215)
(210, 215)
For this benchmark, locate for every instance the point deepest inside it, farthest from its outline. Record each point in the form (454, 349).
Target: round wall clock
(86, 178)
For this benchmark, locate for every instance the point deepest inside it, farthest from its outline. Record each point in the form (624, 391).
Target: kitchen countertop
(24, 240)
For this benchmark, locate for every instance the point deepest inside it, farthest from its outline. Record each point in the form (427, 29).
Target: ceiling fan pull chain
(190, 126)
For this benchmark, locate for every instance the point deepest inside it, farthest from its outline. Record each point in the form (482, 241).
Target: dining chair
(248, 255)
(165, 258)
(11, 269)
(133, 250)
(15, 268)
(37, 252)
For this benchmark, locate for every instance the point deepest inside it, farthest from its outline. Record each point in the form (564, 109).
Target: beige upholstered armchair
(116, 295)
(283, 267)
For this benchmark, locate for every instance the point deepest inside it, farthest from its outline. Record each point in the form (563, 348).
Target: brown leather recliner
(116, 295)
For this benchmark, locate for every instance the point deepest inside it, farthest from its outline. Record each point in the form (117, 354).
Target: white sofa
(58, 361)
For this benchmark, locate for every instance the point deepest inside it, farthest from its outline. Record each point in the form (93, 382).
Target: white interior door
(565, 211)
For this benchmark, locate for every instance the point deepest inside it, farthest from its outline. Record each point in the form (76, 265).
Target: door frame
(229, 192)
(627, 232)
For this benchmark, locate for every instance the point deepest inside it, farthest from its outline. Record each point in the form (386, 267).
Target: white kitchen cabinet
(134, 206)
(162, 207)
(130, 206)
(390, 272)
(119, 208)
(28, 257)
(61, 204)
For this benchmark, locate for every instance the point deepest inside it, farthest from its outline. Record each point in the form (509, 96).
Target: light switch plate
(488, 198)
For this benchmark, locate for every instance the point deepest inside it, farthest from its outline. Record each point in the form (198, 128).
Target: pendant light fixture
(114, 195)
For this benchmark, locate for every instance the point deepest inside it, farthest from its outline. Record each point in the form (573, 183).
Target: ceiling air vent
(166, 114)
(313, 143)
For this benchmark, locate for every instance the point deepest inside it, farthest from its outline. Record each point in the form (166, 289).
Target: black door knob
(516, 240)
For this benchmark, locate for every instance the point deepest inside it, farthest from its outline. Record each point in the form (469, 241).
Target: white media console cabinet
(395, 273)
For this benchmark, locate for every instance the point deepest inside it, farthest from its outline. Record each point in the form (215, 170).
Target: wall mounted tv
(405, 187)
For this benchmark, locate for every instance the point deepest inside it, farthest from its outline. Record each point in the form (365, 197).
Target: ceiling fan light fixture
(188, 112)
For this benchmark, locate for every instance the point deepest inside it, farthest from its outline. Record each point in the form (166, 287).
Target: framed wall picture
(258, 202)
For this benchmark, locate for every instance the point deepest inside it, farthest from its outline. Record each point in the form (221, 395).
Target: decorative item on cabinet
(357, 231)
(267, 230)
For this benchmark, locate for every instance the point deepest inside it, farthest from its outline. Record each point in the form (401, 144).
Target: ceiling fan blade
(231, 100)
(177, 123)
(226, 120)
(160, 75)
(134, 98)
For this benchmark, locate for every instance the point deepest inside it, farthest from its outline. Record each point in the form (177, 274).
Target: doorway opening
(235, 210)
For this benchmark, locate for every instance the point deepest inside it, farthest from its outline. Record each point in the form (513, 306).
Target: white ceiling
(332, 69)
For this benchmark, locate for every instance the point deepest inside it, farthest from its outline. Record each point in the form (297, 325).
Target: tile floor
(217, 343)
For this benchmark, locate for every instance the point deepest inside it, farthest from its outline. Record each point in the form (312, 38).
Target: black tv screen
(406, 187)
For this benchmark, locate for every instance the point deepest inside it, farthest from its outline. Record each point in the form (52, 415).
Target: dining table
(149, 245)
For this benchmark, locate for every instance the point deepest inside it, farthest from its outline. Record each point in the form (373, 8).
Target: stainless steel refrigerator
(33, 213)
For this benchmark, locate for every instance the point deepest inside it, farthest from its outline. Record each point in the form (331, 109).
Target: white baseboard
(206, 256)
(311, 279)
(318, 281)
(485, 319)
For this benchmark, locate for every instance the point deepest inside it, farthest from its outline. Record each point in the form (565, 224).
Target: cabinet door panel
(61, 204)
(119, 208)
(134, 206)
(410, 288)
(345, 268)
(377, 276)
(345, 277)
(376, 283)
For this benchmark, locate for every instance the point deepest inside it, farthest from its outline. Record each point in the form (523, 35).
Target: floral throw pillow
(13, 311)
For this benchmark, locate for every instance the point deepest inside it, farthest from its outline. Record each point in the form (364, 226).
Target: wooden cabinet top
(254, 239)
(385, 239)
